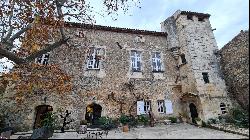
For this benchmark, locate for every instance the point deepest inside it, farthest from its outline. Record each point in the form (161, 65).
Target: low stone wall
(230, 128)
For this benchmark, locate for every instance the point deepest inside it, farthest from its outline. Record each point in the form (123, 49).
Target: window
(189, 17)
(223, 108)
(136, 61)
(205, 77)
(146, 106)
(93, 59)
(183, 59)
(156, 62)
(160, 106)
(43, 59)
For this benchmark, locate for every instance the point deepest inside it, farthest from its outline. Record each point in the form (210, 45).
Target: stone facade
(180, 83)
(194, 38)
(235, 67)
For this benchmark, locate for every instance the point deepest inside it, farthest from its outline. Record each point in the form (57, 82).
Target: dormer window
(43, 59)
(94, 58)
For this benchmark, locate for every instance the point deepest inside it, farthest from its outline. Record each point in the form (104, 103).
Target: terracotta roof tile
(114, 29)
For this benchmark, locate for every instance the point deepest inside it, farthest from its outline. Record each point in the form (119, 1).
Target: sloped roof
(114, 29)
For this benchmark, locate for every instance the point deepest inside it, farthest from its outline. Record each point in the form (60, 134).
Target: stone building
(172, 72)
(235, 67)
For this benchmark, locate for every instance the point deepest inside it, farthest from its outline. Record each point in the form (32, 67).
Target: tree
(32, 23)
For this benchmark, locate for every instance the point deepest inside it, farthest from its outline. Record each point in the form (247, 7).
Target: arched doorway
(40, 114)
(93, 113)
(193, 111)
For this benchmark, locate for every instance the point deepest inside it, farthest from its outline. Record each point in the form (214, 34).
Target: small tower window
(223, 108)
(189, 17)
(183, 59)
(205, 77)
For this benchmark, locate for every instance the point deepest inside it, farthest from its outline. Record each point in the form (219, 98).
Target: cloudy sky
(227, 16)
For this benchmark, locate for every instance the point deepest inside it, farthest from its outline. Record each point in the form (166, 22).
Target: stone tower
(193, 45)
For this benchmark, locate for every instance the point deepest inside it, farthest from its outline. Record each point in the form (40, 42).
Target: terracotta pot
(125, 128)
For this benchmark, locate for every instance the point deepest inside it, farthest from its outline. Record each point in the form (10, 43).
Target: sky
(229, 17)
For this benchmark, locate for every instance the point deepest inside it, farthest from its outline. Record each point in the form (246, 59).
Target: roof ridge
(115, 29)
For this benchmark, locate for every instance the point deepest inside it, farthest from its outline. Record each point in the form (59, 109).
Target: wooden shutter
(140, 107)
(169, 107)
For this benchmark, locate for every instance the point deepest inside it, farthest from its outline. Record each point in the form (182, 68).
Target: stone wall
(197, 42)
(235, 67)
(97, 85)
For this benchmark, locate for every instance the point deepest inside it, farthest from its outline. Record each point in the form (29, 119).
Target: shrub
(48, 120)
(240, 117)
(2, 124)
(132, 121)
(124, 119)
(204, 124)
(143, 119)
(106, 123)
(83, 122)
(197, 119)
(211, 121)
(173, 119)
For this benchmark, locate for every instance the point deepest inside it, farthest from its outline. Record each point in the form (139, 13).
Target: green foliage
(107, 123)
(197, 119)
(124, 119)
(211, 121)
(83, 122)
(143, 119)
(204, 124)
(2, 124)
(133, 121)
(48, 120)
(239, 117)
(173, 119)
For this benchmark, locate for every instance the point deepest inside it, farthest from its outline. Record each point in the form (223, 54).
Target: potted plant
(124, 120)
(143, 120)
(83, 126)
(198, 121)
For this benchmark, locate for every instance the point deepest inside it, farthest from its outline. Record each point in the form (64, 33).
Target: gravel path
(174, 131)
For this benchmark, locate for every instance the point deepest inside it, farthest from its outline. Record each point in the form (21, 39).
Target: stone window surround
(136, 60)
(100, 73)
(161, 106)
(147, 106)
(95, 53)
(44, 59)
(161, 60)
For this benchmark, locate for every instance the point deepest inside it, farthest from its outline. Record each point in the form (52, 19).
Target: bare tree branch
(45, 50)
(20, 32)
(11, 56)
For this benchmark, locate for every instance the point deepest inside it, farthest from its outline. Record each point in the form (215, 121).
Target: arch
(93, 113)
(40, 111)
(193, 111)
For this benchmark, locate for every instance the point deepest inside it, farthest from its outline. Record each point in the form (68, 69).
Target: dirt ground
(161, 131)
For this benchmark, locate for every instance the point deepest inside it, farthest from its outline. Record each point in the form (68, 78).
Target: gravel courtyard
(174, 131)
